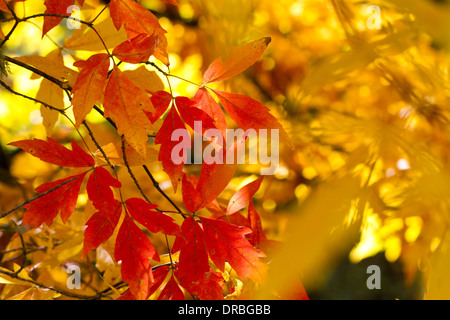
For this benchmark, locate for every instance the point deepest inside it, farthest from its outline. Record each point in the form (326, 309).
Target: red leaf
(138, 49)
(154, 221)
(240, 59)
(191, 198)
(161, 101)
(257, 236)
(210, 288)
(62, 198)
(90, 84)
(249, 113)
(98, 188)
(213, 180)
(136, 20)
(125, 103)
(227, 242)
(239, 200)
(55, 7)
(193, 260)
(3, 6)
(190, 114)
(171, 291)
(204, 100)
(52, 152)
(101, 226)
(135, 250)
(171, 122)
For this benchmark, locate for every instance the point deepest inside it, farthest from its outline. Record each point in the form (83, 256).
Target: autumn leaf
(98, 188)
(86, 38)
(227, 242)
(56, 7)
(190, 114)
(125, 103)
(154, 221)
(137, 20)
(90, 84)
(193, 259)
(161, 101)
(145, 79)
(205, 101)
(249, 113)
(52, 152)
(138, 49)
(50, 66)
(61, 196)
(114, 153)
(171, 122)
(134, 250)
(101, 226)
(51, 94)
(240, 59)
(240, 199)
(171, 291)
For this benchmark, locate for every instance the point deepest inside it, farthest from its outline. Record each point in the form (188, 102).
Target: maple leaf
(205, 101)
(190, 114)
(137, 20)
(56, 7)
(193, 259)
(101, 226)
(125, 103)
(227, 242)
(249, 113)
(134, 249)
(138, 49)
(52, 152)
(171, 122)
(161, 101)
(90, 84)
(210, 289)
(240, 59)
(239, 200)
(171, 291)
(98, 188)
(154, 221)
(62, 196)
(51, 94)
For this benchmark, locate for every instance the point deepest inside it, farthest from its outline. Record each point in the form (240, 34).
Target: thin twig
(37, 197)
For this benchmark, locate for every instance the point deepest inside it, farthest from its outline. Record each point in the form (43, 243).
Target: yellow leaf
(86, 39)
(145, 79)
(48, 65)
(115, 155)
(51, 94)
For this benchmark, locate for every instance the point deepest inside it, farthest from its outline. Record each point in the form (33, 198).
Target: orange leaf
(227, 242)
(240, 59)
(136, 20)
(138, 49)
(249, 113)
(55, 7)
(89, 86)
(125, 103)
(239, 200)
